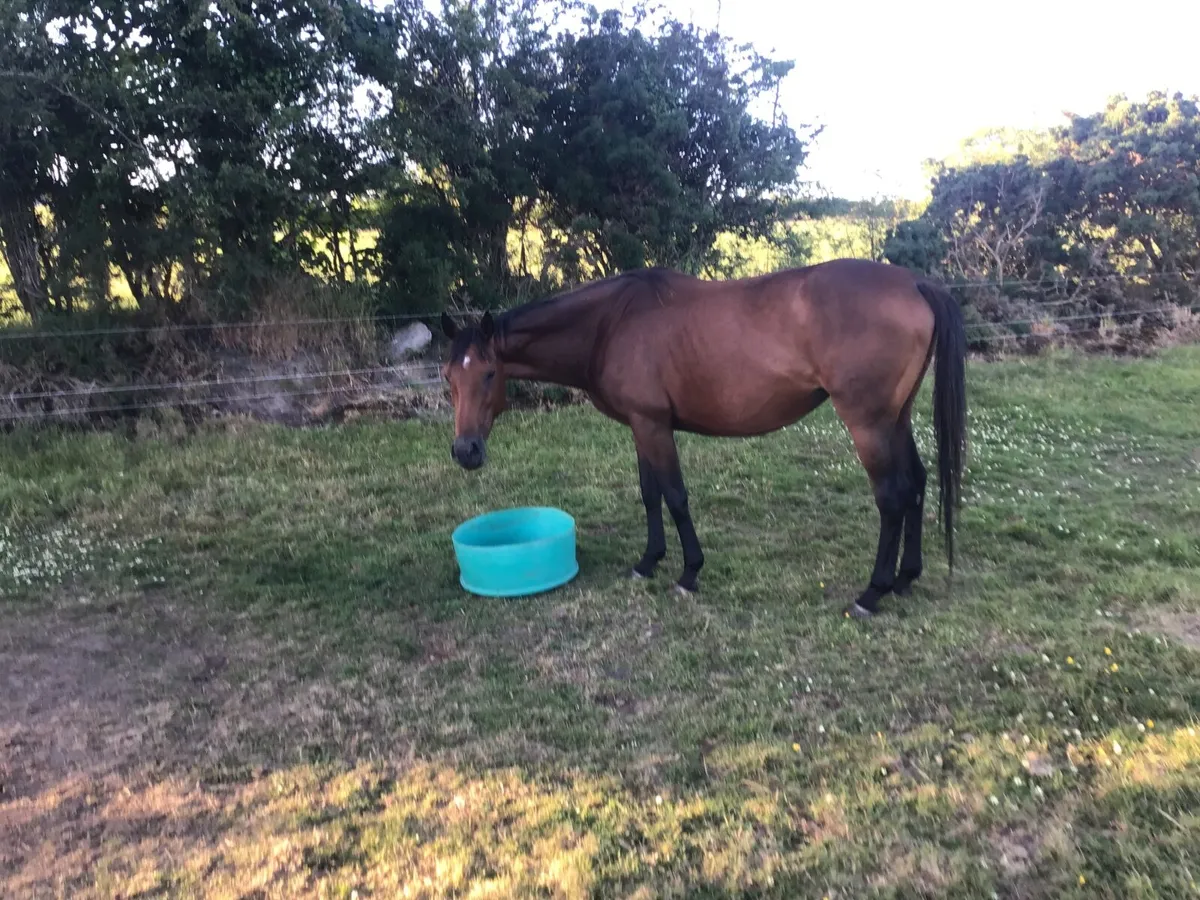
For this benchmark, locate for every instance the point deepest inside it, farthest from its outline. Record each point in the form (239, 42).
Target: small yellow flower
(1082, 880)
(1070, 660)
(821, 583)
(1114, 667)
(796, 747)
(1149, 723)
(1108, 651)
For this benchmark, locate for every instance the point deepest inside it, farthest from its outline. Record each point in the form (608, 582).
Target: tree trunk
(501, 266)
(494, 253)
(18, 237)
(339, 260)
(351, 232)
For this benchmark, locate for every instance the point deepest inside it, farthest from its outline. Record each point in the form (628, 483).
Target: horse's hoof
(854, 611)
(683, 591)
(637, 576)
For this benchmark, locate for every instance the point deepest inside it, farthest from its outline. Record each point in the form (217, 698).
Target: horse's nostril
(468, 452)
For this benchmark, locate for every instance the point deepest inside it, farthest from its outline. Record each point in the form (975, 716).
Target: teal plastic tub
(515, 552)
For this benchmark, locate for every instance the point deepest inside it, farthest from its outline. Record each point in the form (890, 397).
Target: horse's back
(748, 356)
(815, 311)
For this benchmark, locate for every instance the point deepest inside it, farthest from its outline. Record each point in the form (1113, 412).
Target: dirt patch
(86, 691)
(139, 733)
(1015, 850)
(1020, 850)
(90, 701)
(925, 871)
(87, 709)
(133, 731)
(1180, 626)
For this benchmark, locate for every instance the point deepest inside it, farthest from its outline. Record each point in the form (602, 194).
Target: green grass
(245, 664)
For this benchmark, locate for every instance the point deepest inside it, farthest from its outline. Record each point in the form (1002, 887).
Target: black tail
(949, 403)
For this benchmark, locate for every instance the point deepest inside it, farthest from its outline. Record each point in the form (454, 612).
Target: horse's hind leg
(656, 445)
(883, 451)
(910, 559)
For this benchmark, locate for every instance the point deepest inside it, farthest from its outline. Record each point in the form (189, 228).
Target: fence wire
(175, 403)
(423, 368)
(172, 327)
(991, 331)
(25, 334)
(1051, 320)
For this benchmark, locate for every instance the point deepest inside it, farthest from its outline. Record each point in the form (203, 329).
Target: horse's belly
(744, 413)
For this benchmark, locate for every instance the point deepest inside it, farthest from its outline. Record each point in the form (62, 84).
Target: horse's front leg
(656, 446)
(656, 539)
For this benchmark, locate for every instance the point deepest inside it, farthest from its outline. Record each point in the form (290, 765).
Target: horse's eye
(487, 378)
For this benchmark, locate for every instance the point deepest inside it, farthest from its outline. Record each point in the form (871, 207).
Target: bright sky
(897, 83)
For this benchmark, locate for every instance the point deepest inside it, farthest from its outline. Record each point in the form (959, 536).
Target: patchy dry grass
(238, 664)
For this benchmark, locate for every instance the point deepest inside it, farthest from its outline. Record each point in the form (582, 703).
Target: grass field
(236, 663)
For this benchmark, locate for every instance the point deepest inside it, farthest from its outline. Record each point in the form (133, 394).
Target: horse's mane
(610, 289)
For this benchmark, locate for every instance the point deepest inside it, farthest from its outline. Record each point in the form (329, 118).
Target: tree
(259, 131)
(1141, 183)
(650, 147)
(165, 138)
(464, 108)
(1109, 220)
(27, 148)
(201, 152)
(1002, 145)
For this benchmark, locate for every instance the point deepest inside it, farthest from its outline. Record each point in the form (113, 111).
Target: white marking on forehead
(466, 361)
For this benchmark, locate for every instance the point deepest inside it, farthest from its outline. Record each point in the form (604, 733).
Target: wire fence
(174, 403)
(1054, 320)
(59, 405)
(184, 327)
(215, 383)
(135, 398)
(1012, 337)
(1064, 281)
(24, 333)
(991, 329)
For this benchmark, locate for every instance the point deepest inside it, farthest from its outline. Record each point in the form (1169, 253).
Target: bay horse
(661, 352)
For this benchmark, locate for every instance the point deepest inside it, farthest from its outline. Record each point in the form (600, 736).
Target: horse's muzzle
(469, 452)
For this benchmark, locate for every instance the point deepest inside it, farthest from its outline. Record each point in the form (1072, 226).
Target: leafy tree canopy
(1103, 210)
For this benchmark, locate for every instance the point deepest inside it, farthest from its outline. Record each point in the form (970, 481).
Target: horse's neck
(553, 342)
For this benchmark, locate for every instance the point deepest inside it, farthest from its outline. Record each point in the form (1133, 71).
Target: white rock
(409, 340)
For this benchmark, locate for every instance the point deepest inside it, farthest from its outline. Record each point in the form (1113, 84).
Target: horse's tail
(949, 403)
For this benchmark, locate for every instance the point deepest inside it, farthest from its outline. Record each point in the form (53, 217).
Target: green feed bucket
(515, 552)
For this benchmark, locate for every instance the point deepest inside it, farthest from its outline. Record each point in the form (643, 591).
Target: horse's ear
(448, 326)
(487, 326)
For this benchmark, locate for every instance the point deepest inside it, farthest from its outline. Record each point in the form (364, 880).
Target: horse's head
(476, 378)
